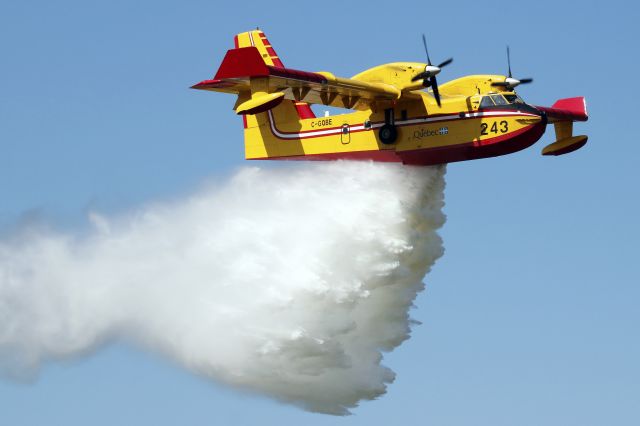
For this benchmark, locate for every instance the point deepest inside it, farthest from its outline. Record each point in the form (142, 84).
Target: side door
(345, 134)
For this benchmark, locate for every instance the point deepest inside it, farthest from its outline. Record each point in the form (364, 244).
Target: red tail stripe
(271, 52)
(277, 62)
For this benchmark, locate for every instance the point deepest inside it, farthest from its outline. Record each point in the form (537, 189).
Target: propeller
(511, 82)
(428, 76)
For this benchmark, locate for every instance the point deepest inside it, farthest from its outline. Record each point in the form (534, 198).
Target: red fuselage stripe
(307, 134)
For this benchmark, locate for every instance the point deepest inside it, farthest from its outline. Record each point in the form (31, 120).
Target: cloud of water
(289, 282)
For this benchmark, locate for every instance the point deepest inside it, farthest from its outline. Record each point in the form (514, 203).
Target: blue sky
(530, 318)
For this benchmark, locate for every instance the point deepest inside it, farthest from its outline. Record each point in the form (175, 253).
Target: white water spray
(291, 283)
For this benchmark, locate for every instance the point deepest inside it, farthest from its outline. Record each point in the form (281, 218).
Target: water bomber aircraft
(393, 117)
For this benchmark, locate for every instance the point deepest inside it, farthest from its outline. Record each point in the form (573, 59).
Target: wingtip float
(393, 119)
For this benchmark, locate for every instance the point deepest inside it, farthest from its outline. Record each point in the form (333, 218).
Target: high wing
(259, 85)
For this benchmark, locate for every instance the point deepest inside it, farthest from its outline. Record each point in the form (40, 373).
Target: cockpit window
(499, 100)
(514, 99)
(486, 102)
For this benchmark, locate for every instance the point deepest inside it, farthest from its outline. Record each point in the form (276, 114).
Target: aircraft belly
(482, 146)
(477, 131)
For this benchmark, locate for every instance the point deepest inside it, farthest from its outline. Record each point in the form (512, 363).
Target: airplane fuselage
(422, 139)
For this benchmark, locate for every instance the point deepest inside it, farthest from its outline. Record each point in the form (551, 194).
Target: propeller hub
(512, 82)
(432, 70)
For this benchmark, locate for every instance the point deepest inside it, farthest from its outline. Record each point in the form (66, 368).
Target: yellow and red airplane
(394, 118)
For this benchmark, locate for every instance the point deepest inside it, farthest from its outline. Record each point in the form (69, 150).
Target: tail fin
(259, 40)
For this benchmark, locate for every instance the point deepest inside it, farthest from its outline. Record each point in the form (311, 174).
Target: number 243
(484, 128)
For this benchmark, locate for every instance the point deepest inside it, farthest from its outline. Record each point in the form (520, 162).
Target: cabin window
(486, 102)
(499, 100)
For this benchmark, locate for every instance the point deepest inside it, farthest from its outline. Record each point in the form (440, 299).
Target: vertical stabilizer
(257, 39)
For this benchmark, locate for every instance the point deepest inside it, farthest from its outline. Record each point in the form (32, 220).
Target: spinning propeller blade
(434, 87)
(511, 82)
(426, 49)
(428, 76)
(445, 63)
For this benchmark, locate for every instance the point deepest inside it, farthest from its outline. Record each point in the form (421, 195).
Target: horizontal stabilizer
(569, 109)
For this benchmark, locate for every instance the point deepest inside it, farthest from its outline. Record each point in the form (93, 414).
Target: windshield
(486, 102)
(514, 99)
(499, 100)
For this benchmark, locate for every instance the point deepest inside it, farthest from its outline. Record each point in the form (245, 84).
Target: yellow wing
(261, 86)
